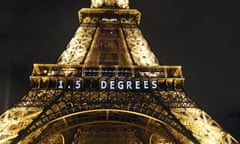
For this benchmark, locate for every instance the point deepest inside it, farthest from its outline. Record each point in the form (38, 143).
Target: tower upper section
(110, 3)
(109, 35)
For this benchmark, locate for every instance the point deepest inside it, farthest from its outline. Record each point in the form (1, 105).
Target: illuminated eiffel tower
(108, 87)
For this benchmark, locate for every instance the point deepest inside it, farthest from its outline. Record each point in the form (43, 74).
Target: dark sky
(202, 36)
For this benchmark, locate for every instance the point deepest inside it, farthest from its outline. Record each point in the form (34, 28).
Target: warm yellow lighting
(77, 47)
(139, 48)
(119, 3)
(14, 120)
(108, 74)
(204, 128)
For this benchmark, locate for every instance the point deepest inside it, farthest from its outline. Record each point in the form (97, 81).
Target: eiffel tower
(108, 87)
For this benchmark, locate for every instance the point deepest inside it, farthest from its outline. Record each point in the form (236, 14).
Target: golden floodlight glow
(14, 120)
(77, 47)
(108, 87)
(204, 128)
(119, 3)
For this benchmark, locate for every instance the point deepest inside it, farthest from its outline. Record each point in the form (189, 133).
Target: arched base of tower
(106, 126)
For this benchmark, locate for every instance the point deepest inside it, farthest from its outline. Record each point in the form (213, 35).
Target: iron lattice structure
(108, 87)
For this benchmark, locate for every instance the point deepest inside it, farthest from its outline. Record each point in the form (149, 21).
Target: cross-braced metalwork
(108, 87)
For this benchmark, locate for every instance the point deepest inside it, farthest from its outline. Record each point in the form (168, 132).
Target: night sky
(202, 36)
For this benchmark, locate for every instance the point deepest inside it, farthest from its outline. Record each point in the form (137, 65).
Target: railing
(79, 77)
(57, 70)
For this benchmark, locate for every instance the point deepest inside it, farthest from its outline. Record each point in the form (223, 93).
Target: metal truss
(108, 83)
